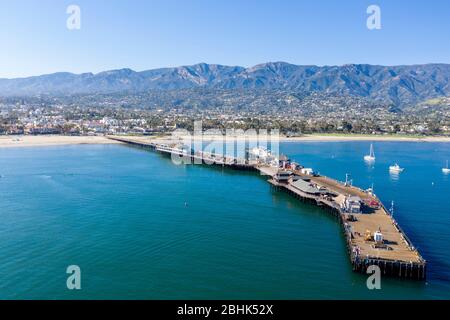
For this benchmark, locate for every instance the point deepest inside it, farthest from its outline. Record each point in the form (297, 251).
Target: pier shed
(308, 187)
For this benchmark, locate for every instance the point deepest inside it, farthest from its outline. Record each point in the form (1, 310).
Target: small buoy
(432, 183)
(185, 204)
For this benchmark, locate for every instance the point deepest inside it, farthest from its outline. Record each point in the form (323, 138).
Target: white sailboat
(371, 156)
(446, 169)
(396, 168)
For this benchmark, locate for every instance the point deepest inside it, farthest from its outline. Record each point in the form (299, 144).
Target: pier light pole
(392, 208)
(348, 182)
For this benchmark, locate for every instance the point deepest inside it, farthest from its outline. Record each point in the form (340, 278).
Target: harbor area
(372, 235)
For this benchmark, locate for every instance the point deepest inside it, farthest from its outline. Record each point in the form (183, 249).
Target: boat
(396, 168)
(446, 169)
(371, 156)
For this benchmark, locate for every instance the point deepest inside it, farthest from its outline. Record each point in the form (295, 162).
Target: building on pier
(352, 204)
(309, 188)
(283, 176)
(307, 171)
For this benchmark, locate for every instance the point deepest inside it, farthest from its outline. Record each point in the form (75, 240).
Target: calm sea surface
(141, 227)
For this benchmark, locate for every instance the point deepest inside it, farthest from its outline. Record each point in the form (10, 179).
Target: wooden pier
(396, 256)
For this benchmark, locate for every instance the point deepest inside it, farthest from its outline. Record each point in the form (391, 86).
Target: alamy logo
(74, 280)
(374, 19)
(232, 147)
(74, 20)
(374, 280)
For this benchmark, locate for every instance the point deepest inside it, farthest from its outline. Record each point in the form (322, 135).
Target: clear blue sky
(145, 34)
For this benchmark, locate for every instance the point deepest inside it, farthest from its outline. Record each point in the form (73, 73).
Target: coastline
(50, 140)
(307, 138)
(56, 140)
(350, 137)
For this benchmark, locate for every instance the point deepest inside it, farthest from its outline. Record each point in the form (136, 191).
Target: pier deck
(398, 257)
(379, 218)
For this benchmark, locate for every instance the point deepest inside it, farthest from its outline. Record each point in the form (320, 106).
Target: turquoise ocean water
(140, 227)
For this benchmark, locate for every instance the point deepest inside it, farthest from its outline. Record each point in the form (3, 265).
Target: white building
(352, 204)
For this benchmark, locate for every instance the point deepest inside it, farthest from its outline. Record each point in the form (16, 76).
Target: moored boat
(446, 169)
(371, 156)
(396, 168)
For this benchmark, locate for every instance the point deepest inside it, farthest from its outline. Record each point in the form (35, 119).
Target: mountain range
(397, 85)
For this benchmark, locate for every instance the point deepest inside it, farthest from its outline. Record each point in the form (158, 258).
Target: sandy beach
(50, 140)
(54, 140)
(306, 138)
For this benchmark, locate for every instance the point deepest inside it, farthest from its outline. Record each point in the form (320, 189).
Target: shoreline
(58, 140)
(50, 140)
(307, 138)
(349, 137)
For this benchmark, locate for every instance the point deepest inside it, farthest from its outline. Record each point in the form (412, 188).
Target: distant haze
(395, 84)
